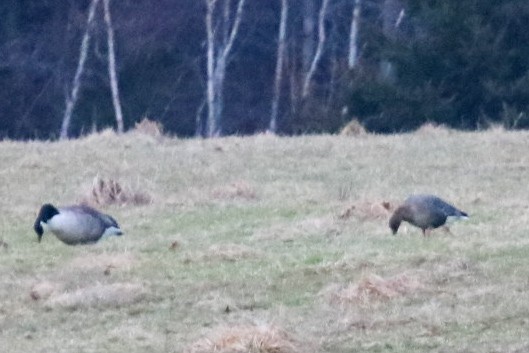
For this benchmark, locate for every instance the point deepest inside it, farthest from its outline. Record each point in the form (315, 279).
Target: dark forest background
(462, 63)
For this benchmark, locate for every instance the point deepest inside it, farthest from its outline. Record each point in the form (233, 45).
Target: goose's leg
(447, 230)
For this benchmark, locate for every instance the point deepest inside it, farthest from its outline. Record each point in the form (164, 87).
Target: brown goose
(426, 212)
(77, 224)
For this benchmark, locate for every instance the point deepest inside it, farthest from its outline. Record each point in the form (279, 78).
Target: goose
(78, 224)
(426, 212)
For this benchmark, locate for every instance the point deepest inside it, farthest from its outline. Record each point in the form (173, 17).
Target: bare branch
(279, 65)
(71, 100)
(353, 37)
(112, 68)
(234, 29)
(210, 66)
(319, 50)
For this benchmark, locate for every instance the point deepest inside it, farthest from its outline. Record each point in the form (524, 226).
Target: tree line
(219, 67)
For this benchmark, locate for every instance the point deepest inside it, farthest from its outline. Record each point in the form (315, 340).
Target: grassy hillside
(267, 244)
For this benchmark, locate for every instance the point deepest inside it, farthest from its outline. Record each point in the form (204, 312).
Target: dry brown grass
(100, 262)
(473, 288)
(45, 289)
(223, 252)
(246, 339)
(149, 127)
(111, 192)
(311, 226)
(239, 189)
(375, 288)
(433, 129)
(368, 210)
(353, 128)
(116, 294)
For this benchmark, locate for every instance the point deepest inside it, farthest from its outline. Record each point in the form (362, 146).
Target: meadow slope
(269, 244)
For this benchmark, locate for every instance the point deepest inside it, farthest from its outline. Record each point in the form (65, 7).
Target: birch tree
(71, 99)
(353, 35)
(392, 15)
(279, 65)
(219, 47)
(308, 13)
(112, 67)
(319, 49)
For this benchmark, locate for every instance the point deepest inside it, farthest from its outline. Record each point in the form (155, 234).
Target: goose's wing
(447, 208)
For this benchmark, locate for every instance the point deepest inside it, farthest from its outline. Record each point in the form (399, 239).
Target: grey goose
(426, 212)
(78, 224)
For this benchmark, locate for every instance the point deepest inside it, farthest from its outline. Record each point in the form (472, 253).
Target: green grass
(260, 240)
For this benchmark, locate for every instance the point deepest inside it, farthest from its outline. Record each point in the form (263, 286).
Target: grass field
(268, 244)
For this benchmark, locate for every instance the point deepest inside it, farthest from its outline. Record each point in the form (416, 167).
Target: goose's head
(46, 212)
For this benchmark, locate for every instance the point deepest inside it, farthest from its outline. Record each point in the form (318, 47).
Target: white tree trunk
(218, 51)
(112, 68)
(199, 120)
(71, 99)
(319, 49)
(353, 37)
(211, 124)
(279, 65)
(392, 14)
(308, 45)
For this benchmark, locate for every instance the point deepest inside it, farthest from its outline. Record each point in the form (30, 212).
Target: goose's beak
(39, 230)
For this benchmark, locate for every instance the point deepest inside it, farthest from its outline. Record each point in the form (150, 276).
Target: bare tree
(71, 99)
(353, 36)
(392, 15)
(218, 50)
(279, 65)
(319, 49)
(112, 67)
(308, 14)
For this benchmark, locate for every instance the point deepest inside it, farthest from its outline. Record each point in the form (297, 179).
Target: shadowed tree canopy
(460, 63)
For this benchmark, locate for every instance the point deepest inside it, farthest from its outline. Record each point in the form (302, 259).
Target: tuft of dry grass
(45, 289)
(375, 288)
(224, 252)
(353, 128)
(239, 189)
(368, 210)
(110, 192)
(433, 129)
(310, 226)
(262, 338)
(100, 262)
(116, 294)
(149, 127)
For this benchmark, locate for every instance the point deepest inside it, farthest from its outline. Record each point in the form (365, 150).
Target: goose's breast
(69, 226)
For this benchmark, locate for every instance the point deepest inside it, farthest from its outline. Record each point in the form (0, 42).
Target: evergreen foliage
(462, 63)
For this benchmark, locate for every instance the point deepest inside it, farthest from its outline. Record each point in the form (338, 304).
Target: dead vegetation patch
(116, 294)
(136, 332)
(459, 269)
(229, 252)
(431, 128)
(310, 226)
(375, 288)
(101, 262)
(246, 338)
(365, 210)
(353, 128)
(240, 189)
(111, 192)
(217, 301)
(149, 127)
(45, 289)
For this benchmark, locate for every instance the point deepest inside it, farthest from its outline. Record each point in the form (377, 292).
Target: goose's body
(426, 212)
(73, 225)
